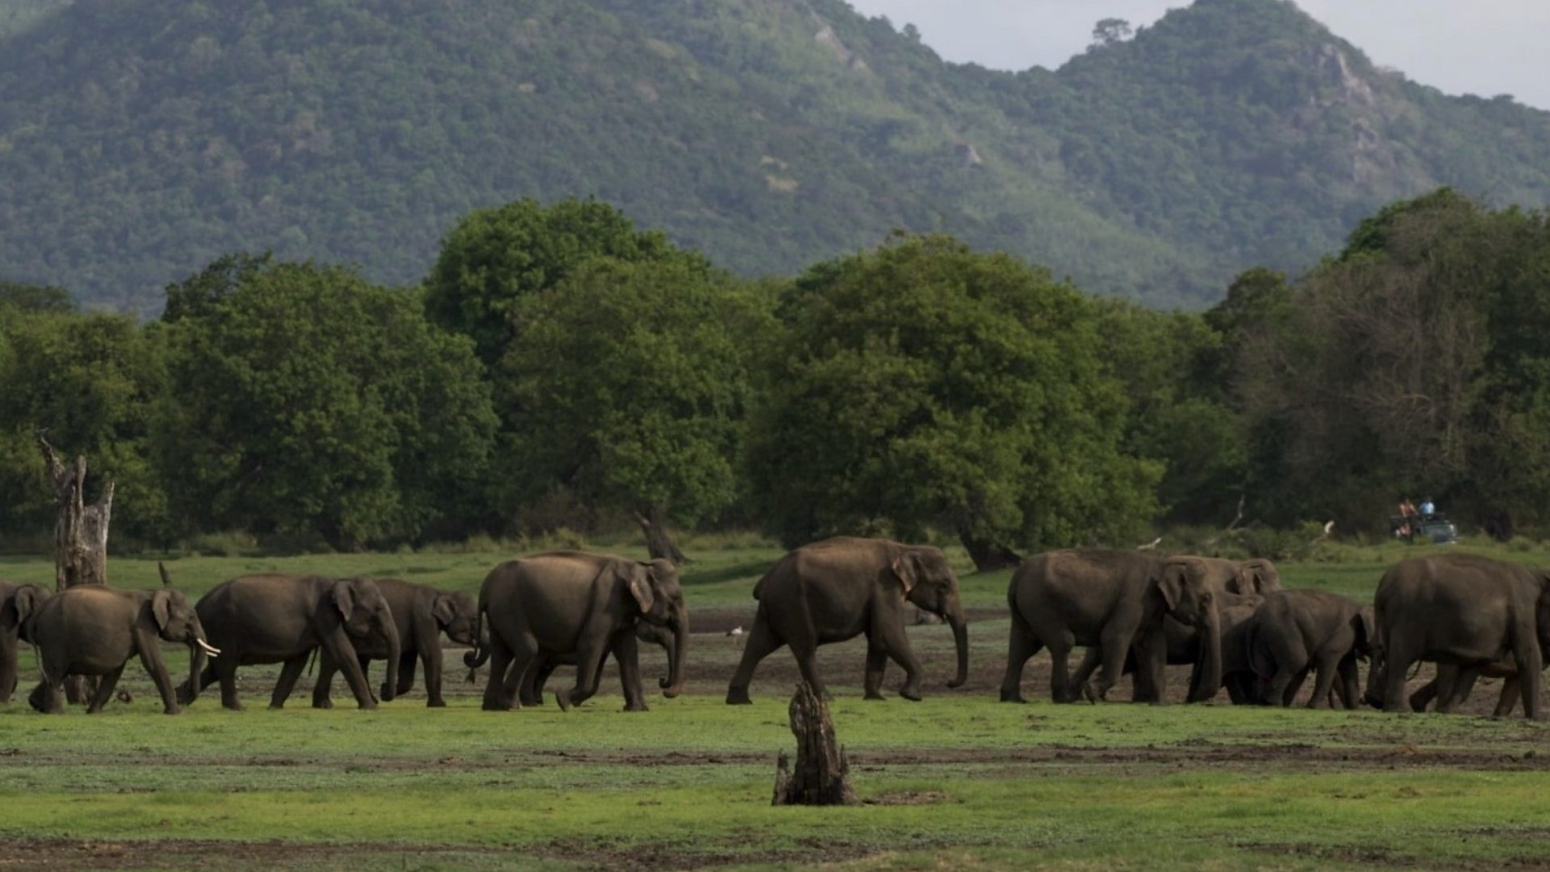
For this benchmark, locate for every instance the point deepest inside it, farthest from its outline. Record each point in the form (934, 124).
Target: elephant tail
(313, 662)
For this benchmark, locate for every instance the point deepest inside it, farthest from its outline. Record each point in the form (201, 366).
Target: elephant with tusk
(283, 619)
(95, 630)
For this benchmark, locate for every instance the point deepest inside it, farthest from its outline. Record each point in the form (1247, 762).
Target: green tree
(1177, 409)
(1414, 362)
(925, 384)
(90, 381)
(495, 257)
(35, 298)
(627, 391)
(306, 402)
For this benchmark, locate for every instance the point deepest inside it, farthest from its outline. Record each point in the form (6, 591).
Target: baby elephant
(94, 630)
(18, 603)
(421, 613)
(1297, 631)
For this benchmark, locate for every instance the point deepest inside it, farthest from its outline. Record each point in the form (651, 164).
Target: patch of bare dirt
(47, 855)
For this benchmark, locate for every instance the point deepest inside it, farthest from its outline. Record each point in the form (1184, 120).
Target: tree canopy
(926, 385)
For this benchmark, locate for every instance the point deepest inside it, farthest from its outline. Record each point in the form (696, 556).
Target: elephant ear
(635, 578)
(1263, 577)
(906, 567)
(26, 601)
(1170, 584)
(161, 608)
(444, 610)
(344, 598)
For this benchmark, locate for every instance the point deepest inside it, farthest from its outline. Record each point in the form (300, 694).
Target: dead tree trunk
(822, 775)
(658, 543)
(80, 534)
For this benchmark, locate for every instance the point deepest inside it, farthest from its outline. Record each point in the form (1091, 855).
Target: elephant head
(364, 612)
(20, 607)
(457, 615)
(176, 621)
(1188, 598)
(1256, 576)
(930, 584)
(654, 587)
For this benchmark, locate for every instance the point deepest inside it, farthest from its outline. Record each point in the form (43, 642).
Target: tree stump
(822, 774)
(80, 536)
(659, 544)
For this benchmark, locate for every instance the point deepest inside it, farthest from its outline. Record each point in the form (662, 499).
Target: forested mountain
(141, 139)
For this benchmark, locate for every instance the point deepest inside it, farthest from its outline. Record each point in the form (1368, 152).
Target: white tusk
(208, 648)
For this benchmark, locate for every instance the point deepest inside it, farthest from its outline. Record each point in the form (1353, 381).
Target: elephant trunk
(390, 688)
(196, 665)
(477, 656)
(673, 685)
(953, 614)
(1209, 674)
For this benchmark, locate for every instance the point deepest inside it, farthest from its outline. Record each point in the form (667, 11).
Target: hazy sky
(1484, 47)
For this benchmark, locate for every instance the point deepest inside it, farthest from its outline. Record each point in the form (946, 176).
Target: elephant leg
(589, 662)
(1325, 670)
(1530, 661)
(1151, 676)
(1397, 663)
(762, 641)
(525, 656)
(1092, 658)
(7, 666)
(627, 654)
(537, 676)
(226, 673)
(1348, 685)
(876, 666)
(337, 642)
(1458, 691)
(500, 664)
(104, 691)
(1060, 670)
(1021, 646)
(150, 658)
(1508, 699)
(206, 678)
(287, 682)
(47, 697)
(887, 633)
(1423, 697)
(430, 657)
(323, 688)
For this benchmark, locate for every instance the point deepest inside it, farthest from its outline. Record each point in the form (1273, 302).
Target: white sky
(1484, 47)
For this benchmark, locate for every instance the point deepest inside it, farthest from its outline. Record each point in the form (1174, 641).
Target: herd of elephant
(1135, 612)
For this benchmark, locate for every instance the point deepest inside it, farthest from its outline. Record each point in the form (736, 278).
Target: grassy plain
(957, 781)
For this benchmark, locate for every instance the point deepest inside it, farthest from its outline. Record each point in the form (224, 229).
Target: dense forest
(561, 368)
(143, 139)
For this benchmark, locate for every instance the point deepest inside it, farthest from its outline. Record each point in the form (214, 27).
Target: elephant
(1459, 610)
(95, 630)
(283, 618)
(18, 603)
(1295, 632)
(532, 689)
(574, 605)
(1113, 600)
(1452, 685)
(839, 588)
(1237, 583)
(420, 615)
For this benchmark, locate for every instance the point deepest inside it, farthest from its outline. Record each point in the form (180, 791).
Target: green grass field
(958, 781)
